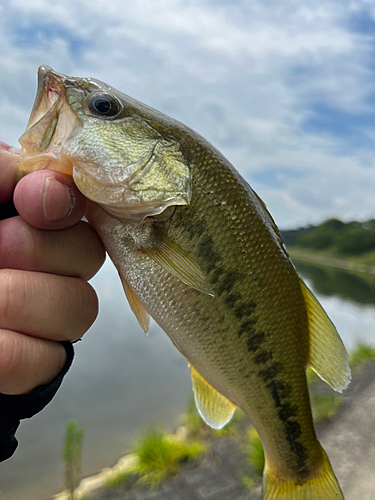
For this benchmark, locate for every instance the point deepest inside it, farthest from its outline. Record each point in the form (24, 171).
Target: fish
(197, 250)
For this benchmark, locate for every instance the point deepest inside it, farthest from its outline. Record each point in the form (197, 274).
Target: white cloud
(246, 75)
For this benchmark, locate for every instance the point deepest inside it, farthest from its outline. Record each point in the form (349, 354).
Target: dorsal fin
(327, 354)
(138, 309)
(175, 260)
(215, 409)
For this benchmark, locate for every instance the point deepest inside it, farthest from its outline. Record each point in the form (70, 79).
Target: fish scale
(197, 250)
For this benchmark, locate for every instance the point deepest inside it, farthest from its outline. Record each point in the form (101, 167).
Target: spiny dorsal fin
(176, 261)
(215, 409)
(327, 355)
(138, 309)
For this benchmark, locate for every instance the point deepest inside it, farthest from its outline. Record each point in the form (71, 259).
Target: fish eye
(104, 105)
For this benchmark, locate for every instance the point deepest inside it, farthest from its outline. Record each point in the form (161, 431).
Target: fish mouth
(50, 124)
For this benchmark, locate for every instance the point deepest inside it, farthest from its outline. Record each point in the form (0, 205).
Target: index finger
(9, 158)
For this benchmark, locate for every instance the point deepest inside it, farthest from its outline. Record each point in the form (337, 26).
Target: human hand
(47, 254)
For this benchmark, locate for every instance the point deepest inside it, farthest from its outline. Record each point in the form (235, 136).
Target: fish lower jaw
(44, 161)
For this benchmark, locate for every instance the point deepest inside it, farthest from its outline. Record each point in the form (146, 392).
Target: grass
(117, 479)
(160, 455)
(311, 376)
(254, 453)
(231, 428)
(324, 406)
(361, 355)
(254, 456)
(192, 419)
(248, 481)
(72, 455)
(367, 258)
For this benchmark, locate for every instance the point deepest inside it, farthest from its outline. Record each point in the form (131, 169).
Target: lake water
(122, 380)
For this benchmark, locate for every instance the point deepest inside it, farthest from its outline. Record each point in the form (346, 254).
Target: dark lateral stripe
(293, 430)
(302, 470)
(286, 411)
(244, 309)
(262, 357)
(270, 372)
(199, 227)
(301, 458)
(217, 272)
(255, 341)
(279, 390)
(206, 249)
(247, 326)
(227, 282)
(231, 299)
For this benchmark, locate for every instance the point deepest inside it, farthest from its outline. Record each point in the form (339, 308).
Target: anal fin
(215, 409)
(138, 309)
(327, 354)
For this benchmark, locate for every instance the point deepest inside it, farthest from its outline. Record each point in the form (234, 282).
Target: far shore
(325, 260)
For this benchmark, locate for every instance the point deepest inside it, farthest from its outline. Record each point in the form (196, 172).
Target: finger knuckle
(92, 250)
(18, 243)
(86, 308)
(91, 308)
(11, 295)
(11, 350)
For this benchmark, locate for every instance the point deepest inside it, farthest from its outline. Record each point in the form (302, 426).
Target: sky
(284, 89)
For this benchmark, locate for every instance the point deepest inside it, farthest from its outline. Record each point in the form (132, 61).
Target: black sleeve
(8, 210)
(15, 408)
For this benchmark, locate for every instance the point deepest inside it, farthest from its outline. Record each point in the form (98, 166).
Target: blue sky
(286, 90)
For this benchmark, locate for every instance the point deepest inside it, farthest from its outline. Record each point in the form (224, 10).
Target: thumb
(49, 200)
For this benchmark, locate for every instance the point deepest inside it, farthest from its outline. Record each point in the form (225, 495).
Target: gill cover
(128, 168)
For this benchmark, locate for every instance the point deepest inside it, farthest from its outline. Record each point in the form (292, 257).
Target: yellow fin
(215, 409)
(327, 354)
(321, 487)
(176, 261)
(138, 309)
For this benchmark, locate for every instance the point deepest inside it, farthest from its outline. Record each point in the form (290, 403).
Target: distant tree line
(341, 238)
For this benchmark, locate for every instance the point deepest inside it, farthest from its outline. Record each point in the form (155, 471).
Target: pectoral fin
(138, 309)
(176, 261)
(327, 355)
(215, 409)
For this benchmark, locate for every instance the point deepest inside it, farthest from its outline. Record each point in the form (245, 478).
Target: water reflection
(348, 298)
(358, 288)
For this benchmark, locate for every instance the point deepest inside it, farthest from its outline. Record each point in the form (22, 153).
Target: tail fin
(321, 487)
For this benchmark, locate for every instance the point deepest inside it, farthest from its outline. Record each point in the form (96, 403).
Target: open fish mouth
(51, 123)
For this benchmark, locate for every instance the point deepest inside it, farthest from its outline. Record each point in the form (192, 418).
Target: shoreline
(324, 260)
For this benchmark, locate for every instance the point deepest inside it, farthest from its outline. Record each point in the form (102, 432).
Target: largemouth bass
(197, 250)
